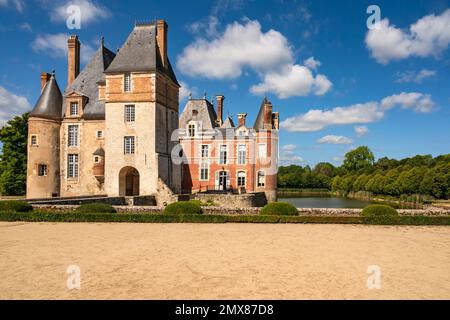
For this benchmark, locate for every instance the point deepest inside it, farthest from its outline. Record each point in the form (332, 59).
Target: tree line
(421, 174)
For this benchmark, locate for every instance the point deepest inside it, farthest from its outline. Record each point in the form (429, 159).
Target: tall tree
(13, 159)
(359, 158)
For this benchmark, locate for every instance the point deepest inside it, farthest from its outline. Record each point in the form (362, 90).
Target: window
(96, 159)
(204, 172)
(241, 179)
(130, 113)
(223, 155)
(205, 151)
(34, 141)
(42, 170)
(74, 108)
(99, 134)
(73, 136)
(127, 82)
(72, 166)
(191, 130)
(242, 153)
(262, 150)
(261, 180)
(129, 146)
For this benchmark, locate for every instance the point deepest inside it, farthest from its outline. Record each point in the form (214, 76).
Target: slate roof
(259, 122)
(228, 123)
(199, 110)
(140, 53)
(50, 102)
(99, 152)
(87, 83)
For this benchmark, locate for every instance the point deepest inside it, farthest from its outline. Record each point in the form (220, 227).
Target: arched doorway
(128, 182)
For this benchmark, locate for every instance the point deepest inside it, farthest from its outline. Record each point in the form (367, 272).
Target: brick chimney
(73, 59)
(268, 115)
(161, 37)
(219, 100)
(44, 79)
(241, 119)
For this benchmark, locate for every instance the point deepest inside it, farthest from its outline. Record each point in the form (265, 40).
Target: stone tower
(141, 113)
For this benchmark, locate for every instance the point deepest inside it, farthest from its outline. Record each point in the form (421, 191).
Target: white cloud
(11, 105)
(26, 27)
(55, 45)
(316, 120)
(289, 148)
(361, 131)
(90, 11)
(240, 46)
(312, 63)
(412, 76)
(332, 139)
(19, 5)
(186, 90)
(429, 36)
(290, 159)
(417, 101)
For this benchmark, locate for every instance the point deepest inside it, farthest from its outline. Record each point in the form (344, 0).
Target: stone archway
(128, 182)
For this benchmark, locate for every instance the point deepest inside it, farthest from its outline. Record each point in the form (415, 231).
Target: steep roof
(228, 123)
(49, 104)
(199, 110)
(259, 122)
(87, 83)
(140, 53)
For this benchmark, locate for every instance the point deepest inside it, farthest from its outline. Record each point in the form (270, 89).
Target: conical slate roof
(49, 104)
(87, 83)
(140, 53)
(259, 122)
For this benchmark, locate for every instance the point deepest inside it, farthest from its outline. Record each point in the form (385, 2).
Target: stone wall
(234, 201)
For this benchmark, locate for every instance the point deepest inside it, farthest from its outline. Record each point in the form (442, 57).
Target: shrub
(183, 207)
(96, 208)
(16, 206)
(379, 210)
(280, 209)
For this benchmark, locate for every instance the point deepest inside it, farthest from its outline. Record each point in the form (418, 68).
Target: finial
(103, 41)
(190, 95)
(204, 96)
(53, 73)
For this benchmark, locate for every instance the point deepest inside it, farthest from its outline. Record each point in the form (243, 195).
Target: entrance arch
(128, 182)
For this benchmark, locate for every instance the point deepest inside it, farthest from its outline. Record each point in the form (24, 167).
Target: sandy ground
(229, 261)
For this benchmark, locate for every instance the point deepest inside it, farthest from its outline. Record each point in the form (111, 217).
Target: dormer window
(127, 82)
(191, 130)
(74, 109)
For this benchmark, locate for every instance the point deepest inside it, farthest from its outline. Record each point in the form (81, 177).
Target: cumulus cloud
(429, 36)
(19, 5)
(332, 139)
(55, 45)
(312, 63)
(245, 46)
(316, 119)
(287, 160)
(414, 77)
(289, 148)
(90, 11)
(361, 131)
(11, 105)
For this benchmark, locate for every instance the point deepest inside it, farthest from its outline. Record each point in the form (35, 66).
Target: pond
(325, 202)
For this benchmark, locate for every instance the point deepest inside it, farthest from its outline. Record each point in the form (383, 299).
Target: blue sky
(336, 84)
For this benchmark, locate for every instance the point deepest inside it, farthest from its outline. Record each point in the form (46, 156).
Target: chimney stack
(268, 115)
(219, 100)
(73, 57)
(44, 79)
(241, 119)
(161, 37)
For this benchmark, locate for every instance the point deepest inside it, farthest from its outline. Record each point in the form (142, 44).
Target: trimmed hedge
(42, 216)
(279, 209)
(379, 210)
(96, 208)
(184, 207)
(16, 206)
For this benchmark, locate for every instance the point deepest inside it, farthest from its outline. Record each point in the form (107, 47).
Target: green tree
(13, 159)
(359, 158)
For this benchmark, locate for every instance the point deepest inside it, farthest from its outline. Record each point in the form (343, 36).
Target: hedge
(279, 209)
(184, 207)
(379, 210)
(96, 208)
(17, 206)
(42, 216)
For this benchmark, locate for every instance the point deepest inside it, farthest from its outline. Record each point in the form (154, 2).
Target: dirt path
(223, 261)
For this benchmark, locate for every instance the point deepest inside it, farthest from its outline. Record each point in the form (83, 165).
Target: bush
(15, 206)
(280, 209)
(379, 210)
(183, 207)
(96, 208)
